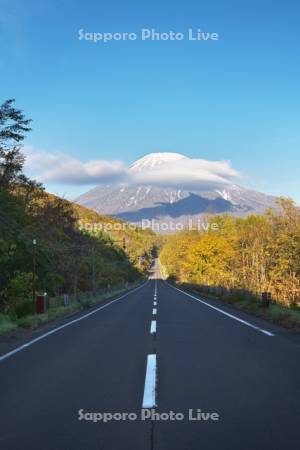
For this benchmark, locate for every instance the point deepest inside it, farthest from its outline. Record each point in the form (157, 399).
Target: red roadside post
(33, 274)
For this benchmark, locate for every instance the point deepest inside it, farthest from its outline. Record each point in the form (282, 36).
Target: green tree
(13, 128)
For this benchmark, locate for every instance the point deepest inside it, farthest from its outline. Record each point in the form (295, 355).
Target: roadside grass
(58, 310)
(6, 324)
(248, 302)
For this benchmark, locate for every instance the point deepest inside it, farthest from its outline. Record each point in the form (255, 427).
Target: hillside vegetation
(69, 257)
(245, 257)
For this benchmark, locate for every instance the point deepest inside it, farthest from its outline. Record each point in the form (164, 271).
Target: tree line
(255, 253)
(68, 259)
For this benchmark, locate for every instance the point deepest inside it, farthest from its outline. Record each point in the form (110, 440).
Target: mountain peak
(171, 203)
(153, 160)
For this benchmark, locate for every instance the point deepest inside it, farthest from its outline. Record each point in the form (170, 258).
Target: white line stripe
(153, 327)
(154, 311)
(43, 336)
(149, 400)
(268, 333)
(154, 303)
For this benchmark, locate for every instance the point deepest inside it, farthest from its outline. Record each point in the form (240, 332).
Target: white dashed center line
(149, 399)
(153, 327)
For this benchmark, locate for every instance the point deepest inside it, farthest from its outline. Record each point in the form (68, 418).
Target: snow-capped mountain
(155, 160)
(135, 203)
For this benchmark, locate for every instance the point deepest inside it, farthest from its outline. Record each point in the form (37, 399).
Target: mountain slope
(136, 203)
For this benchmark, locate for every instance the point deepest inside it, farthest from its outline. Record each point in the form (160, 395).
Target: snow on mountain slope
(155, 160)
(160, 204)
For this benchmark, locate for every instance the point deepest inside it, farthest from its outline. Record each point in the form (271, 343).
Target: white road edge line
(149, 399)
(153, 327)
(154, 311)
(43, 336)
(267, 333)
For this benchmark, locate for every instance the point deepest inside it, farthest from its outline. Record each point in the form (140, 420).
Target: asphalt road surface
(155, 351)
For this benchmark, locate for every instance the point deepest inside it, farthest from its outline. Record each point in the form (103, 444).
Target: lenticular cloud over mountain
(166, 170)
(172, 188)
(177, 170)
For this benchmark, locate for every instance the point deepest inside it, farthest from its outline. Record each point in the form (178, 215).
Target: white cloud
(57, 167)
(197, 174)
(186, 173)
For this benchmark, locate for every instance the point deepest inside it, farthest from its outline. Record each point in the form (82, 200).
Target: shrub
(6, 324)
(19, 292)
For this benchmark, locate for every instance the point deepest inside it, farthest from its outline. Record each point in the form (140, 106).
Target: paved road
(242, 369)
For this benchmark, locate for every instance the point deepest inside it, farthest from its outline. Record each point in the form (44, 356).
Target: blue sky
(236, 99)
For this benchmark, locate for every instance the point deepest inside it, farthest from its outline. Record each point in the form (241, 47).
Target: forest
(42, 229)
(72, 251)
(245, 257)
